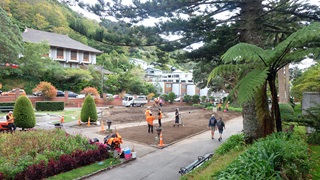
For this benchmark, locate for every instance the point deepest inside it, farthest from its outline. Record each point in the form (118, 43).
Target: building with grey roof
(69, 52)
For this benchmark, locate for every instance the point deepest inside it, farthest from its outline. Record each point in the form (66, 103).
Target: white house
(69, 52)
(138, 62)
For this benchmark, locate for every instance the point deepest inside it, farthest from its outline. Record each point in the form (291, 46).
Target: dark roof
(56, 40)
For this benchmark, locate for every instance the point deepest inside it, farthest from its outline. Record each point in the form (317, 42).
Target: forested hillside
(114, 39)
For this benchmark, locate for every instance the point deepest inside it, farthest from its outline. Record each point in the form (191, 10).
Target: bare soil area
(195, 120)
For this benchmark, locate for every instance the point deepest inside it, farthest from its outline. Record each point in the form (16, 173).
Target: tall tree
(10, 39)
(196, 21)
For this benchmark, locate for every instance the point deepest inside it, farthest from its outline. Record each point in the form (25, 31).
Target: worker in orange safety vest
(150, 120)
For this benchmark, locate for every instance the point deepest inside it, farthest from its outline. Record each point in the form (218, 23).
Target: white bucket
(134, 154)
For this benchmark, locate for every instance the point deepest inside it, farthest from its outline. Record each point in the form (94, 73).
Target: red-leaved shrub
(63, 164)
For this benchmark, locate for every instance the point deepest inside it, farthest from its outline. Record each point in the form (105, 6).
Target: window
(60, 53)
(168, 85)
(73, 55)
(85, 56)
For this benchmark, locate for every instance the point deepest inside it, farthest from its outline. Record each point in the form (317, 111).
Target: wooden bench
(6, 108)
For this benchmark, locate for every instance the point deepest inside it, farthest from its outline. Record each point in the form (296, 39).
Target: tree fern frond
(242, 52)
(249, 85)
(299, 38)
(226, 69)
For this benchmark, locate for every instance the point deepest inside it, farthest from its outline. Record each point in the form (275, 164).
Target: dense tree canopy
(10, 39)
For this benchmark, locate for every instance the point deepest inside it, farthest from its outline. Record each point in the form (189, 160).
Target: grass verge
(86, 170)
(315, 161)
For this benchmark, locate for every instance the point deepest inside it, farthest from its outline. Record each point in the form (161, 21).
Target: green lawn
(83, 171)
(70, 114)
(315, 160)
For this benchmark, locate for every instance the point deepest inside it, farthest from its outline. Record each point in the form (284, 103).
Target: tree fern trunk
(275, 105)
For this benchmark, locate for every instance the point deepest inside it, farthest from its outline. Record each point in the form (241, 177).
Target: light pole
(102, 77)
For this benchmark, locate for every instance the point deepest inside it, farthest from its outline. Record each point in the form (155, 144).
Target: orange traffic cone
(161, 141)
(102, 126)
(79, 121)
(88, 122)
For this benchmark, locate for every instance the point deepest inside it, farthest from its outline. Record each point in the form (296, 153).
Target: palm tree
(258, 67)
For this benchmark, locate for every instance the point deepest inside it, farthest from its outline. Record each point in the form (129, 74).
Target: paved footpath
(166, 163)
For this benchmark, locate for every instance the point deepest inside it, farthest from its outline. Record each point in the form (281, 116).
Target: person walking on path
(159, 117)
(150, 119)
(212, 125)
(177, 118)
(221, 126)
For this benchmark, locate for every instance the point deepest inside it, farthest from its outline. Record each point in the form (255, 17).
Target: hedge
(49, 106)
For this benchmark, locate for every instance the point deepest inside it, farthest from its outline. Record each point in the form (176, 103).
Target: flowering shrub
(90, 90)
(47, 89)
(42, 153)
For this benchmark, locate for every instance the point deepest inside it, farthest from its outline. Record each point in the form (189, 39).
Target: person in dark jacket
(212, 125)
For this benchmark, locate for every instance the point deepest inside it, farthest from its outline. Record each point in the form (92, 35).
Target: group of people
(150, 118)
(215, 124)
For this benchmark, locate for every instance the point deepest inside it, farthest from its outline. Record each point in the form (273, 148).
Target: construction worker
(177, 118)
(61, 120)
(10, 120)
(150, 119)
(159, 117)
(147, 113)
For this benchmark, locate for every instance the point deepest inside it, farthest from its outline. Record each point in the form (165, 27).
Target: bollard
(102, 126)
(88, 122)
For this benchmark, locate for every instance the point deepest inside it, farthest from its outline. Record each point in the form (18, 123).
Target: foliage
(89, 110)
(187, 98)
(47, 90)
(90, 90)
(234, 142)
(44, 153)
(271, 158)
(195, 99)
(10, 39)
(23, 113)
(315, 157)
(261, 67)
(150, 96)
(171, 96)
(313, 138)
(84, 171)
(49, 106)
(308, 82)
(286, 112)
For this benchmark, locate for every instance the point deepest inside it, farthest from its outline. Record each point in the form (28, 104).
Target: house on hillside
(68, 52)
(138, 62)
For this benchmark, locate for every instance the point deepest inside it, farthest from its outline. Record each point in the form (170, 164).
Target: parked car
(37, 93)
(81, 96)
(13, 92)
(0, 92)
(72, 94)
(60, 93)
